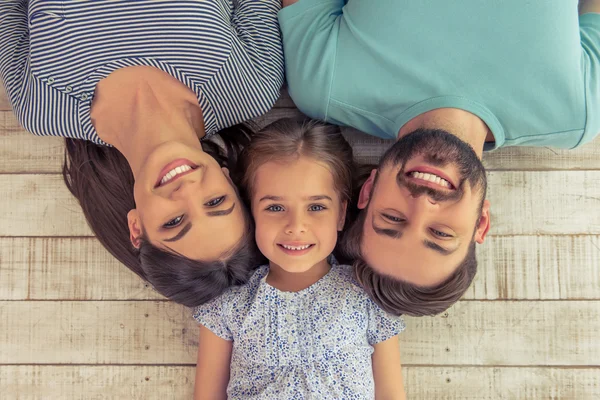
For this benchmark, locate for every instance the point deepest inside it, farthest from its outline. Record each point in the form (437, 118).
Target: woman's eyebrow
(220, 213)
(181, 233)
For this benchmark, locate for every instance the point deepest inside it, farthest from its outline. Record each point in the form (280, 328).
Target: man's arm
(387, 370)
(289, 2)
(212, 367)
(589, 6)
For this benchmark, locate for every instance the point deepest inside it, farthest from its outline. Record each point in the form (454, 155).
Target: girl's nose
(296, 225)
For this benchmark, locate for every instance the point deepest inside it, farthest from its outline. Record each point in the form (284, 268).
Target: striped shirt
(53, 53)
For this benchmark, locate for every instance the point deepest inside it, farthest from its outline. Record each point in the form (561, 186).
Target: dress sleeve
(212, 316)
(382, 325)
(310, 30)
(258, 30)
(589, 28)
(14, 47)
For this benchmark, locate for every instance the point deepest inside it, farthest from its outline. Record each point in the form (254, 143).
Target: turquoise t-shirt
(529, 69)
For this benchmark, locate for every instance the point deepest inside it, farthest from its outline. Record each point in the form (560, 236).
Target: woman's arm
(212, 367)
(387, 370)
(14, 46)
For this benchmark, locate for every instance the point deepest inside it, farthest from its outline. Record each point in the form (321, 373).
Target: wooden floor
(75, 324)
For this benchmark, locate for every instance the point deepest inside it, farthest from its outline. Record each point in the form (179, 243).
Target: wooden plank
(538, 268)
(521, 333)
(23, 152)
(523, 203)
(510, 268)
(4, 104)
(177, 382)
(39, 205)
(65, 268)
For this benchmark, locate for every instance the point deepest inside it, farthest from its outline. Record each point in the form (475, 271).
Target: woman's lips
(172, 165)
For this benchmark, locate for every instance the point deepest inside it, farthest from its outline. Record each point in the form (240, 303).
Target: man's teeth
(174, 172)
(431, 178)
(285, 246)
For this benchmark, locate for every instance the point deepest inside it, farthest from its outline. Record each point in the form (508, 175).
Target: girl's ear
(135, 231)
(342, 217)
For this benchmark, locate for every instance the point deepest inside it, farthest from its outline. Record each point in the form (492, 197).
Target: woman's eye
(215, 202)
(440, 234)
(392, 218)
(274, 208)
(316, 207)
(174, 222)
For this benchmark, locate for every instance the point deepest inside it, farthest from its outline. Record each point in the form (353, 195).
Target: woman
(150, 78)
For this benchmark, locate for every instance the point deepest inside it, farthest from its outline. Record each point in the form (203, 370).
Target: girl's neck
(136, 109)
(286, 281)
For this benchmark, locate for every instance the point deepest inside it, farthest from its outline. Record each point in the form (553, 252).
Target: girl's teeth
(295, 247)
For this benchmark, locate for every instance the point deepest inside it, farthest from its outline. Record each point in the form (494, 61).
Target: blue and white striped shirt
(53, 53)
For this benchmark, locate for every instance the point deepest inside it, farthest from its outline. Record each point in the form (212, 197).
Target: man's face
(424, 208)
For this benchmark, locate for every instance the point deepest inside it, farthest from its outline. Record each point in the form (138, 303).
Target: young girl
(301, 327)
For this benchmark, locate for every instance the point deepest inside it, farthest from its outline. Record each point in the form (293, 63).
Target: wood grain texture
(22, 152)
(65, 268)
(177, 383)
(523, 203)
(39, 205)
(510, 268)
(473, 333)
(4, 104)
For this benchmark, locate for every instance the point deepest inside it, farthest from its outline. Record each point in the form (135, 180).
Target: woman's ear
(135, 228)
(342, 217)
(365, 191)
(225, 171)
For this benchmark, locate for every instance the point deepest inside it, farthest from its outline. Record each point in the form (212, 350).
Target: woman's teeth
(285, 246)
(174, 172)
(431, 178)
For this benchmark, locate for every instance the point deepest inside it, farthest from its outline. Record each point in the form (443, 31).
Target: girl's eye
(316, 207)
(215, 202)
(392, 218)
(274, 208)
(440, 234)
(173, 223)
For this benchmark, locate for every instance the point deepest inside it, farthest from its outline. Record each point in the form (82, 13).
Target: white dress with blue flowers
(312, 344)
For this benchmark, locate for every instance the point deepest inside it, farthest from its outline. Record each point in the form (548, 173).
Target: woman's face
(186, 203)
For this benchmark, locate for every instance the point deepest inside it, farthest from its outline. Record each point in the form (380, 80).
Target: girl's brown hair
(101, 180)
(288, 139)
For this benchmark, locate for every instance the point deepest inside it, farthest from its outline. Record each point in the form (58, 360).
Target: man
(448, 80)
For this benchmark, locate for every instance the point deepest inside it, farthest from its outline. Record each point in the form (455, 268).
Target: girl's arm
(212, 368)
(387, 370)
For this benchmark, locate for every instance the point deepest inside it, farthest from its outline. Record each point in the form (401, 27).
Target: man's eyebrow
(181, 233)
(220, 213)
(438, 248)
(392, 233)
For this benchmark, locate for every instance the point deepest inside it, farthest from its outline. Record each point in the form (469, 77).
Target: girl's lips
(431, 170)
(174, 164)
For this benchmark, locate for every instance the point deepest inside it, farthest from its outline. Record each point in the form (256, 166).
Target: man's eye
(215, 202)
(316, 207)
(440, 234)
(174, 222)
(274, 208)
(392, 218)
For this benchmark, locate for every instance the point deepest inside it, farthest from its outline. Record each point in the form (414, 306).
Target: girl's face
(297, 213)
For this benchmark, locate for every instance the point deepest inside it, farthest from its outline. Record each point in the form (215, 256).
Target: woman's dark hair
(101, 180)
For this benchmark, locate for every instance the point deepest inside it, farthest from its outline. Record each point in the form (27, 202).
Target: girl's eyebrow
(312, 198)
